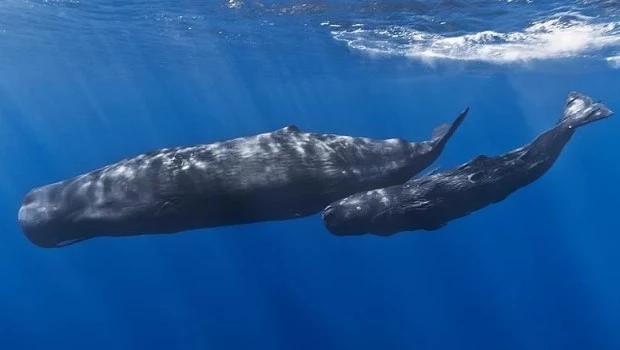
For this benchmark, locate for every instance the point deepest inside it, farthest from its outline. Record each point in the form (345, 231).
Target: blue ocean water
(87, 83)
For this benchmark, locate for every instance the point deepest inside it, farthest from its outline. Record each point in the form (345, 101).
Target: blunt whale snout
(341, 222)
(34, 218)
(40, 219)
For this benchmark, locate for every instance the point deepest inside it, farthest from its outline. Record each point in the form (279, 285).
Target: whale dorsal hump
(474, 162)
(291, 128)
(479, 159)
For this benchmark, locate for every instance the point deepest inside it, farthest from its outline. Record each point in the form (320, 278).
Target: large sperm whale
(280, 175)
(430, 202)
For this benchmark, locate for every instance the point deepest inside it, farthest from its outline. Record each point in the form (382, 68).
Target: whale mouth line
(69, 242)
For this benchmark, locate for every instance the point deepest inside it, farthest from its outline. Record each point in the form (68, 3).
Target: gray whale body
(430, 202)
(280, 175)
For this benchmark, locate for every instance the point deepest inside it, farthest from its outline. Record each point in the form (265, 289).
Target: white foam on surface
(613, 61)
(552, 38)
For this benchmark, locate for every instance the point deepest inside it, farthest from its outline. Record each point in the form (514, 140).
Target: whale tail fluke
(444, 132)
(581, 110)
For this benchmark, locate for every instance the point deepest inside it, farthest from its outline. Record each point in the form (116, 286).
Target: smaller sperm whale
(430, 202)
(280, 175)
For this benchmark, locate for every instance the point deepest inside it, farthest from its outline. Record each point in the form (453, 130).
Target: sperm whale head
(347, 217)
(43, 218)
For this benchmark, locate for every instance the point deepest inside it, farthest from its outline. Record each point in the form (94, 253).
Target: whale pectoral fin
(169, 206)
